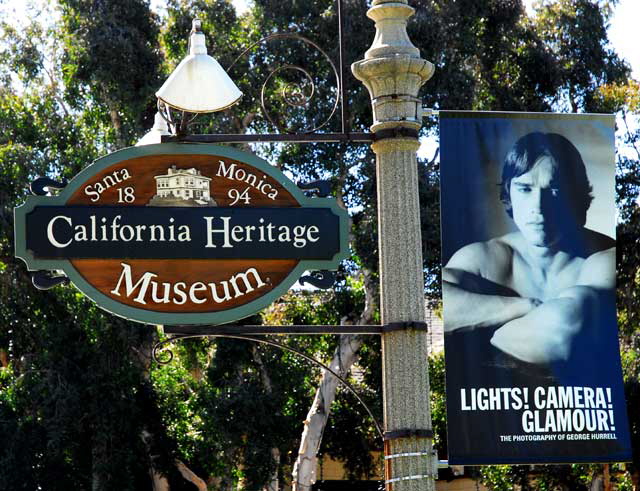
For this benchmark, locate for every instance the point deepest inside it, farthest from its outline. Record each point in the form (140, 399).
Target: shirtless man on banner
(541, 287)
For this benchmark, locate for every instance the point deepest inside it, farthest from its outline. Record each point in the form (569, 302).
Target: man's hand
(546, 334)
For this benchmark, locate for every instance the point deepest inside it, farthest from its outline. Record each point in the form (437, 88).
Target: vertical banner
(528, 251)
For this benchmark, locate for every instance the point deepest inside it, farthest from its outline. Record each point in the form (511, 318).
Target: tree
(624, 98)
(111, 58)
(73, 400)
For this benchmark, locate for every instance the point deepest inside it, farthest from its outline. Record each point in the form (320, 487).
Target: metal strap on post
(404, 326)
(395, 133)
(407, 433)
(409, 478)
(432, 465)
(406, 454)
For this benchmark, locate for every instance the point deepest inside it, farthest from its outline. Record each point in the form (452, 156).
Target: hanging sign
(528, 246)
(181, 233)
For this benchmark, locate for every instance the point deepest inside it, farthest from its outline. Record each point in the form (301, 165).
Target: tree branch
(190, 476)
(344, 356)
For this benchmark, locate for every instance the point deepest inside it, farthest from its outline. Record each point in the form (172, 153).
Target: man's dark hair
(570, 170)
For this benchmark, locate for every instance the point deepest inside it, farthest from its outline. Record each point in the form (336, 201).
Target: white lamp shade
(199, 84)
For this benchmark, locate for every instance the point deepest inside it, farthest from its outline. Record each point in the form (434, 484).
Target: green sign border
(151, 317)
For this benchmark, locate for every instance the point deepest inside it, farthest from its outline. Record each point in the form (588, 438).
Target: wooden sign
(181, 233)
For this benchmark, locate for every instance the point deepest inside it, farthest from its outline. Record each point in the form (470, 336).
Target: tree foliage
(111, 57)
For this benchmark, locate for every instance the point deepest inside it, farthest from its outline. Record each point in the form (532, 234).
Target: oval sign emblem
(181, 233)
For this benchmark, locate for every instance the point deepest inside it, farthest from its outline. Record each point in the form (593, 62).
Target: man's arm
(473, 301)
(549, 332)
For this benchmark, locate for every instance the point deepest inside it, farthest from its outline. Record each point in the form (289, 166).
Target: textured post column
(393, 72)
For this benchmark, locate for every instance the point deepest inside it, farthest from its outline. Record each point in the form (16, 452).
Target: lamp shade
(199, 84)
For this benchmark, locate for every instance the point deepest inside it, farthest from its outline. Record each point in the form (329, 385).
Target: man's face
(536, 204)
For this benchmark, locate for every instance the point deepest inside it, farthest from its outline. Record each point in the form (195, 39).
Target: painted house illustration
(182, 187)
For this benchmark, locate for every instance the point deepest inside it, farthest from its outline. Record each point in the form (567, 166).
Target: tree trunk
(190, 476)
(268, 386)
(597, 484)
(159, 482)
(274, 483)
(4, 359)
(116, 121)
(607, 478)
(304, 470)
(241, 125)
(143, 356)
(345, 355)
(96, 483)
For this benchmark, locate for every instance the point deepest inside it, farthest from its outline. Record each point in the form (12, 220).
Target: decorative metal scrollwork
(45, 280)
(42, 185)
(296, 88)
(322, 188)
(320, 279)
(178, 121)
(161, 354)
(295, 94)
(161, 347)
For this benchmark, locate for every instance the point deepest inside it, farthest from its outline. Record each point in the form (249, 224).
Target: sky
(623, 33)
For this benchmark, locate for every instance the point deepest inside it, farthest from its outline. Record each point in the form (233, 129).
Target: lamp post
(393, 72)
(198, 84)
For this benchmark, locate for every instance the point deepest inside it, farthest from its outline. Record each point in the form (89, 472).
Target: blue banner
(528, 250)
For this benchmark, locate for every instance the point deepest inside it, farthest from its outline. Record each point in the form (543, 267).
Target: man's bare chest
(544, 282)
